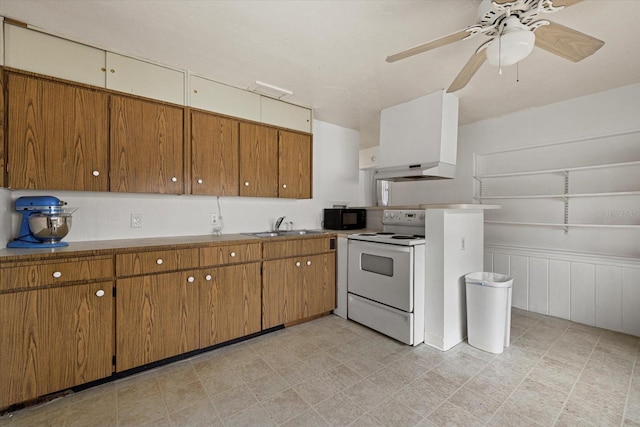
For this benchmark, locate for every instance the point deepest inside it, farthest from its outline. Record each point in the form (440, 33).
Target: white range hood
(419, 139)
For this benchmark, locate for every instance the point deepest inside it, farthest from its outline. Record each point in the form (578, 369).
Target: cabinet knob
(103, 69)
(308, 262)
(246, 183)
(100, 293)
(174, 179)
(159, 261)
(195, 91)
(95, 173)
(199, 181)
(297, 263)
(191, 279)
(112, 70)
(207, 277)
(284, 185)
(233, 254)
(57, 274)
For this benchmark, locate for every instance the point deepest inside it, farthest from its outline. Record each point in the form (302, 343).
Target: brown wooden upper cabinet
(294, 165)
(57, 136)
(146, 146)
(258, 160)
(214, 154)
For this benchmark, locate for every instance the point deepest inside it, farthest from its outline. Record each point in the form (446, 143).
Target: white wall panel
(631, 301)
(560, 289)
(488, 261)
(519, 267)
(538, 285)
(583, 293)
(501, 264)
(608, 297)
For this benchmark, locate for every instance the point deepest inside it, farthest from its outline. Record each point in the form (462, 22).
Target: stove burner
(401, 237)
(384, 233)
(367, 234)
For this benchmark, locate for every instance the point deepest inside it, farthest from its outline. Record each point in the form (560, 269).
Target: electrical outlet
(215, 219)
(136, 221)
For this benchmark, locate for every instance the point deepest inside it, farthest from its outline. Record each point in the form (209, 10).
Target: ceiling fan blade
(433, 44)
(566, 42)
(469, 69)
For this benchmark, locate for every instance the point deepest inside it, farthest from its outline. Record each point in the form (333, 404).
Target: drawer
(298, 247)
(20, 275)
(229, 254)
(149, 262)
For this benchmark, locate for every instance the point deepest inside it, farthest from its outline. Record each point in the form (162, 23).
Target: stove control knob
(95, 173)
(386, 214)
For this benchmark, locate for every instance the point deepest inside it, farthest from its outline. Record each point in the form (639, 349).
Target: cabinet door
(294, 165)
(220, 98)
(280, 291)
(318, 293)
(258, 161)
(230, 300)
(157, 318)
(214, 154)
(42, 53)
(57, 136)
(53, 339)
(143, 78)
(146, 146)
(286, 115)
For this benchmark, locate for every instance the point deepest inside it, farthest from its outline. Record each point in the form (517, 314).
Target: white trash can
(489, 311)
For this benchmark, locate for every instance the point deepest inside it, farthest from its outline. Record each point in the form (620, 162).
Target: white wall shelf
(555, 188)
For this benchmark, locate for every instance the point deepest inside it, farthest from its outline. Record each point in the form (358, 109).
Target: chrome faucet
(279, 223)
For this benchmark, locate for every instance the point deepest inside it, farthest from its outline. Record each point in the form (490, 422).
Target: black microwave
(344, 219)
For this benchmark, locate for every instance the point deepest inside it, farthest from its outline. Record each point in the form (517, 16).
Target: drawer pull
(246, 183)
(298, 264)
(57, 274)
(200, 181)
(159, 261)
(284, 185)
(190, 279)
(174, 179)
(207, 277)
(100, 293)
(308, 262)
(233, 254)
(95, 173)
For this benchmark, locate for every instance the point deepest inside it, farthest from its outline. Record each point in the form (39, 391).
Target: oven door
(381, 272)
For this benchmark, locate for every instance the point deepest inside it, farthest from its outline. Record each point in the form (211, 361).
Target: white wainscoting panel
(539, 285)
(631, 301)
(560, 289)
(595, 290)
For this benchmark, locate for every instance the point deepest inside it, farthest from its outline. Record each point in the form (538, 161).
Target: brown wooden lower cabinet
(296, 288)
(52, 339)
(157, 317)
(230, 300)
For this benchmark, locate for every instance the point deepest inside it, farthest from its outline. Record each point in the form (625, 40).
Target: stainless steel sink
(285, 233)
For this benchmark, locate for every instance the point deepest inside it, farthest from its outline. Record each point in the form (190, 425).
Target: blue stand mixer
(44, 222)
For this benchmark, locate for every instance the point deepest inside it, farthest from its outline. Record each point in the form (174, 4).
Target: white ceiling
(331, 54)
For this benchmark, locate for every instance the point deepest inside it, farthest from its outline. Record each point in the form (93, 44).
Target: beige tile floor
(335, 372)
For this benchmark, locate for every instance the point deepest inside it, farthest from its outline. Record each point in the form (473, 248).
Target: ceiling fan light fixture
(512, 47)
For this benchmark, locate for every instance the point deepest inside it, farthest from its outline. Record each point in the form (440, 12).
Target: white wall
(105, 216)
(589, 275)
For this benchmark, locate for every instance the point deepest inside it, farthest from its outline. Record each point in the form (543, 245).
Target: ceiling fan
(514, 29)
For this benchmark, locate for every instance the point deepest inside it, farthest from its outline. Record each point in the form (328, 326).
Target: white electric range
(386, 272)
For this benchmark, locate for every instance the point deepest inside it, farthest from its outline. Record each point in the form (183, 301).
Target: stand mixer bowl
(50, 228)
